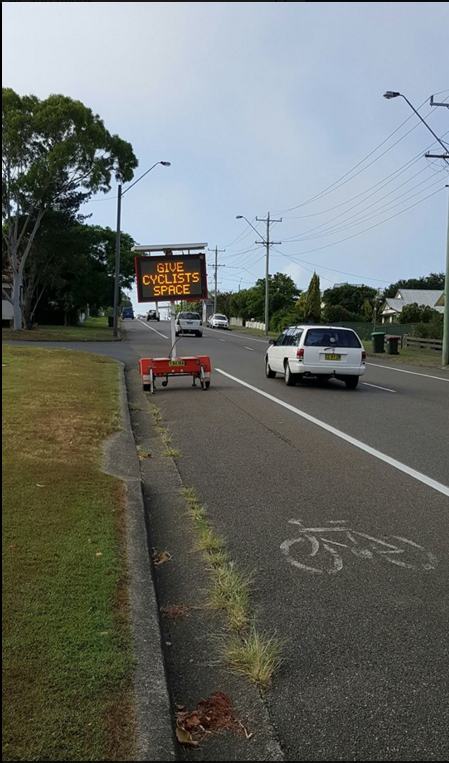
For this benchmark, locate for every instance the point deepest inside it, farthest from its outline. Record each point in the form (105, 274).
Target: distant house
(392, 306)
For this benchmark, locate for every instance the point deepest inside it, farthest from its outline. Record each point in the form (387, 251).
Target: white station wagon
(188, 323)
(321, 351)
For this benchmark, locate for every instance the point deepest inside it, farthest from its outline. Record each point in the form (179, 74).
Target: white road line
(251, 349)
(343, 436)
(403, 371)
(222, 340)
(377, 386)
(251, 338)
(152, 329)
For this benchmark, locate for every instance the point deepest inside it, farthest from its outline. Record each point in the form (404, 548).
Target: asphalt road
(348, 541)
(366, 671)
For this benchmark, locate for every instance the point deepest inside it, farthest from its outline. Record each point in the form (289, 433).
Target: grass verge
(409, 356)
(92, 330)
(66, 644)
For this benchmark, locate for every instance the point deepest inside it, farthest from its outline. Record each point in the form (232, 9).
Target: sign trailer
(170, 277)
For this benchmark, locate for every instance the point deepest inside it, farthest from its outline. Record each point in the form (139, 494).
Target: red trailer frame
(197, 366)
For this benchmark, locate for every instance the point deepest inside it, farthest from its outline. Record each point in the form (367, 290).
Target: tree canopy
(351, 300)
(432, 281)
(56, 154)
(72, 265)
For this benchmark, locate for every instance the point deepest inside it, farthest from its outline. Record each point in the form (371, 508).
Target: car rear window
(190, 316)
(331, 338)
(221, 317)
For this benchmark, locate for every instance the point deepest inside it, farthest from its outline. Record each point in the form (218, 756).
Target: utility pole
(215, 274)
(445, 352)
(268, 220)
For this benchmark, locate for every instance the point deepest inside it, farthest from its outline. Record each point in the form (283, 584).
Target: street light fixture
(393, 94)
(117, 243)
(445, 351)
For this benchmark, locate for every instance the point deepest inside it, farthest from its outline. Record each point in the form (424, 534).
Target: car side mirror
(272, 341)
(201, 323)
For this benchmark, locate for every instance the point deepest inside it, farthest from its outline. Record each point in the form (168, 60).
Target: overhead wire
(365, 230)
(344, 179)
(379, 185)
(361, 218)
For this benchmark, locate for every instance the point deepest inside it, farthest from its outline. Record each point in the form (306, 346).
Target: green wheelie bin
(378, 338)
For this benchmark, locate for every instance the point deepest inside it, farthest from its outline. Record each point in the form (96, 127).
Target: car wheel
(199, 333)
(269, 373)
(289, 378)
(351, 382)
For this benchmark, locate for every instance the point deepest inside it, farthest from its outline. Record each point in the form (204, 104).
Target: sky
(260, 107)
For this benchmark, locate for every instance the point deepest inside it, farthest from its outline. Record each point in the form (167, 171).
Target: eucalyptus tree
(56, 154)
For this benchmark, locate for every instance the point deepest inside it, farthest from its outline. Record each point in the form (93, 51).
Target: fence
(420, 343)
(365, 329)
(255, 325)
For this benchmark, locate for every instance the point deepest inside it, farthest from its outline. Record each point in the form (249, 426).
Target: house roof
(393, 305)
(420, 296)
(430, 297)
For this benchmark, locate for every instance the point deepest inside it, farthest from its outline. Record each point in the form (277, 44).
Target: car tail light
(363, 356)
(300, 353)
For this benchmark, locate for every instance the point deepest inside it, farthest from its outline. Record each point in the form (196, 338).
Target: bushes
(432, 330)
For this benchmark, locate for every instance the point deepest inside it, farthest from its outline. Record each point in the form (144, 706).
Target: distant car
(152, 315)
(128, 312)
(188, 323)
(218, 321)
(320, 351)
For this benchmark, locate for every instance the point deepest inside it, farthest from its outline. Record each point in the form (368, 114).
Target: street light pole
(117, 263)
(117, 244)
(445, 350)
(267, 243)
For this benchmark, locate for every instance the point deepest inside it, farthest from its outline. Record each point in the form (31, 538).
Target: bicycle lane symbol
(314, 546)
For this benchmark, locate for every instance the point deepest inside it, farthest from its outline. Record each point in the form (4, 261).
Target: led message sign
(171, 277)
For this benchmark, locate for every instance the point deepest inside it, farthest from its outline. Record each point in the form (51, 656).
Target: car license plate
(176, 363)
(332, 356)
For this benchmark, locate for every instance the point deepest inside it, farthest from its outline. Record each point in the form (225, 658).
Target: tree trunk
(17, 286)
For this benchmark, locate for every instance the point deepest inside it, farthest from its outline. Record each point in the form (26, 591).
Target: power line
(379, 184)
(344, 179)
(360, 217)
(325, 267)
(347, 238)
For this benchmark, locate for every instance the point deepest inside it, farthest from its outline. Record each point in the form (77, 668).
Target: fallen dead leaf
(210, 715)
(184, 737)
(160, 557)
(175, 611)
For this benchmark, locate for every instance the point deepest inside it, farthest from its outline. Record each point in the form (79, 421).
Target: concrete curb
(153, 711)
